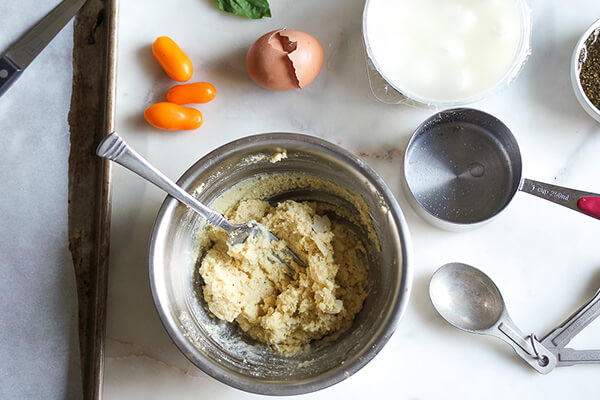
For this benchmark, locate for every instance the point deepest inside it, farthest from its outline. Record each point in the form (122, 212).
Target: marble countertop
(39, 346)
(543, 257)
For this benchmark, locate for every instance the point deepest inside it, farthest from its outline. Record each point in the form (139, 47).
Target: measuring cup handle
(584, 202)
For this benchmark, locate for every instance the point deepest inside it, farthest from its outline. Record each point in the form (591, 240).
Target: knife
(24, 50)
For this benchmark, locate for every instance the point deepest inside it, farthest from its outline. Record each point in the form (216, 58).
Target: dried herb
(590, 69)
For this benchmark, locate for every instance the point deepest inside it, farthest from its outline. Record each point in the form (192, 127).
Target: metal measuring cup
(463, 166)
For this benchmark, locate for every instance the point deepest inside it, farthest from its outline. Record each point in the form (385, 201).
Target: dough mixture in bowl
(275, 305)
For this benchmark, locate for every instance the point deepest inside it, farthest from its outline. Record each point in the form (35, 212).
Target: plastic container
(387, 91)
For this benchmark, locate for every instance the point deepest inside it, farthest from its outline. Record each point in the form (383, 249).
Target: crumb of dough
(278, 156)
(277, 306)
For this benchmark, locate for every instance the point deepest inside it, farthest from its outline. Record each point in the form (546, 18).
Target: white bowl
(577, 60)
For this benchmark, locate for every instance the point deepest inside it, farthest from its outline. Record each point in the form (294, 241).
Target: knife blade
(24, 50)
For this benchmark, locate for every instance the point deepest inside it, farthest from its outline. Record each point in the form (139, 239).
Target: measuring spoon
(468, 299)
(557, 339)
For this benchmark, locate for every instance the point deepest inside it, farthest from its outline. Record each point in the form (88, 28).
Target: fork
(114, 148)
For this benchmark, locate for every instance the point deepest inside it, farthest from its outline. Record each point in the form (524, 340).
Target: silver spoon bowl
(468, 299)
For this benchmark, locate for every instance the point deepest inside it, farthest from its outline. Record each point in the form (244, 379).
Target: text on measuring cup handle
(546, 191)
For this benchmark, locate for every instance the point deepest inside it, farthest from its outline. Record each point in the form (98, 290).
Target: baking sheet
(91, 118)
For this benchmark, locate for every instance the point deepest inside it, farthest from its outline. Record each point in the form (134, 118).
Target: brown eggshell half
(284, 60)
(308, 57)
(268, 64)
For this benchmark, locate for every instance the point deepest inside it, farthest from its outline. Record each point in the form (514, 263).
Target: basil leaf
(253, 9)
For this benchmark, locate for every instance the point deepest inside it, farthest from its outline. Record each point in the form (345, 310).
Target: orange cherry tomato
(173, 117)
(201, 92)
(172, 59)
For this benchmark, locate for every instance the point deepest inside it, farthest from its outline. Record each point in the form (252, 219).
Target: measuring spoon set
(462, 167)
(468, 299)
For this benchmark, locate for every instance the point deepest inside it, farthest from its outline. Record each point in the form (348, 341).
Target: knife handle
(9, 72)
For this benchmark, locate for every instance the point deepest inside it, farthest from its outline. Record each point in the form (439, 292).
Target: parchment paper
(39, 350)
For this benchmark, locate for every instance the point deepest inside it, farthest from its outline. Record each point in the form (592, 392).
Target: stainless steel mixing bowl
(220, 349)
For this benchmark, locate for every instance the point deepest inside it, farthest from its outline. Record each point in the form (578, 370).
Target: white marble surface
(39, 344)
(543, 257)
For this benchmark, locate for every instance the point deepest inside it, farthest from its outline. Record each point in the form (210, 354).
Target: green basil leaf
(253, 9)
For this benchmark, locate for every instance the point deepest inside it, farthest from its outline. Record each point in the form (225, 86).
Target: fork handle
(114, 148)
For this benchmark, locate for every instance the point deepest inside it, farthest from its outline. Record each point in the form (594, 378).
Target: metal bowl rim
(330, 377)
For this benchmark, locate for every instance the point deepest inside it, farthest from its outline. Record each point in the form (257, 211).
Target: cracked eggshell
(284, 60)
